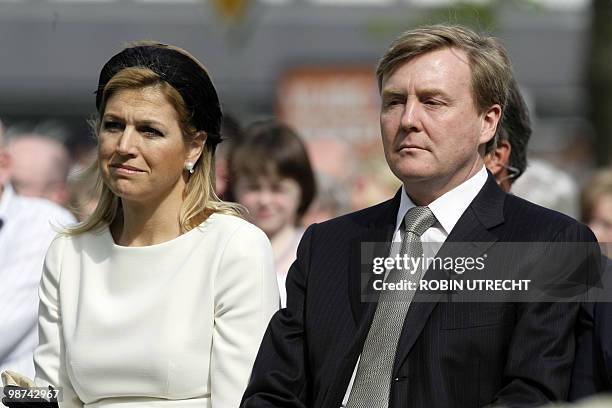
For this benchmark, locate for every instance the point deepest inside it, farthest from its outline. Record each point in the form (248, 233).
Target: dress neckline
(109, 237)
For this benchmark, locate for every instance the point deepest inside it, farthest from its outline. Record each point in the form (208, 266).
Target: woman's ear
(196, 146)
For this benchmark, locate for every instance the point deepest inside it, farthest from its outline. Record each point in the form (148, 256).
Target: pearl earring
(189, 167)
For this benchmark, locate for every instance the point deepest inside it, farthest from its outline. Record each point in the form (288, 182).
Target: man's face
(430, 128)
(4, 167)
(37, 168)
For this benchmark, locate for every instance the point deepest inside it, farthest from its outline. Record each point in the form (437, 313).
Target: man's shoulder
(360, 219)
(519, 207)
(38, 209)
(537, 218)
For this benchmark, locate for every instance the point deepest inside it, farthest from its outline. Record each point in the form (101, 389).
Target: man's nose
(410, 120)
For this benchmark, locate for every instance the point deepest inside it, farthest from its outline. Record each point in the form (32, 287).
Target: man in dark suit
(443, 90)
(592, 372)
(508, 160)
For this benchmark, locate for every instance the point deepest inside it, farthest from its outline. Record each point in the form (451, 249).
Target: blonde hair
(599, 185)
(200, 199)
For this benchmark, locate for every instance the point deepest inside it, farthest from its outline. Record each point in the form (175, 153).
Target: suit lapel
(374, 241)
(472, 229)
(377, 234)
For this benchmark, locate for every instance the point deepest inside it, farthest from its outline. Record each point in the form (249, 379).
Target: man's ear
(196, 146)
(497, 160)
(5, 167)
(490, 122)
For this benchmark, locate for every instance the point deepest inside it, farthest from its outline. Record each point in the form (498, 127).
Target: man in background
(40, 166)
(26, 230)
(591, 373)
(508, 160)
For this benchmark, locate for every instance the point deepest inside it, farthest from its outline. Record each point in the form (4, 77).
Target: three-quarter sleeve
(246, 297)
(49, 356)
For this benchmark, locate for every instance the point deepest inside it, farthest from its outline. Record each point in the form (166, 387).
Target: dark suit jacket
(449, 354)
(592, 373)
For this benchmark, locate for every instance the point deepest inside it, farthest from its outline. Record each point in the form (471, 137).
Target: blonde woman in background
(596, 205)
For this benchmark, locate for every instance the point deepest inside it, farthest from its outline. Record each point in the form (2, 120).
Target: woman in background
(161, 297)
(271, 175)
(592, 371)
(596, 206)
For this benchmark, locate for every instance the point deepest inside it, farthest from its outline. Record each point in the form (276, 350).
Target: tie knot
(418, 219)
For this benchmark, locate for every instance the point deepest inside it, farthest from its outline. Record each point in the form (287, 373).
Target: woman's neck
(282, 239)
(146, 224)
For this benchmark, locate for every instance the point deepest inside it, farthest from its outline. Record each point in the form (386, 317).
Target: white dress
(176, 324)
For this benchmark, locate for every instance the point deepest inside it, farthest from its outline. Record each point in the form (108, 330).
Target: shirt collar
(449, 207)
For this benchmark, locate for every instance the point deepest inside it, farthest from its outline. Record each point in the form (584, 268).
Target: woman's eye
(252, 188)
(280, 189)
(151, 131)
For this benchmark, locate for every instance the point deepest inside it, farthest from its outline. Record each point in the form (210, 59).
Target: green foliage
(466, 13)
(478, 15)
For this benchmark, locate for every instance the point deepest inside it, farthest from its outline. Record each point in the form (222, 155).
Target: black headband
(180, 71)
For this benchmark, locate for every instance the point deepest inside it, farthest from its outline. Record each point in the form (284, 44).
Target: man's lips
(409, 146)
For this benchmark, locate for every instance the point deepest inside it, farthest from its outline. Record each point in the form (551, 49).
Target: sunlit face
(430, 127)
(141, 150)
(272, 202)
(601, 219)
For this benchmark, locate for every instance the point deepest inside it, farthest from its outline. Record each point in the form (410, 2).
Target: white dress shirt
(25, 234)
(176, 324)
(447, 208)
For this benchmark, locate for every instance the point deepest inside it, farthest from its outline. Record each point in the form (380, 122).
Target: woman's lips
(125, 169)
(264, 214)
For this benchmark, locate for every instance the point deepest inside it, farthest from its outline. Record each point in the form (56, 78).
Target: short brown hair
(490, 66)
(270, 148)
(515, 127)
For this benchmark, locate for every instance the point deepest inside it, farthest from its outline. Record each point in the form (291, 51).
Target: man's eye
(432, 102)
(110, 125)
(393, 102)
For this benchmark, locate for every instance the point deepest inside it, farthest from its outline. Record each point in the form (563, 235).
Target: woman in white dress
(162, 296)
(270, 174)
